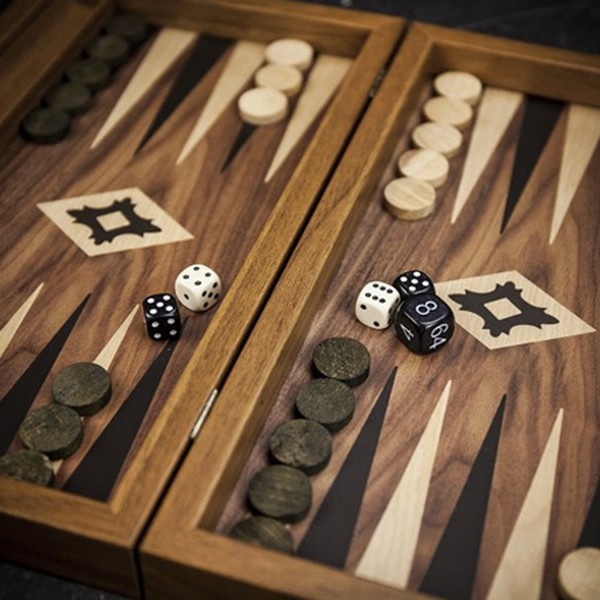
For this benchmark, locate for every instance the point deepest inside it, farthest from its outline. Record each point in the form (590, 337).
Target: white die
(376, 304)
(198, 287)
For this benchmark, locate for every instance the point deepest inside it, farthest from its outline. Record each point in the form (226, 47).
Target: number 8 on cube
(424, 323)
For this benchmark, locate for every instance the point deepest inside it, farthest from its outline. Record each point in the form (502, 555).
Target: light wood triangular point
(390, 553)
(168, 46)
(107, 354)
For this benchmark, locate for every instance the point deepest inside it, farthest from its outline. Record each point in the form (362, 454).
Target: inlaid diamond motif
(114, 221)
(506, 309)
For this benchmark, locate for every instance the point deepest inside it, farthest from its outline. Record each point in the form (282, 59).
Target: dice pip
(161, 315)
(424, 323)
(413, 283)
(198, 287)
(376, 304)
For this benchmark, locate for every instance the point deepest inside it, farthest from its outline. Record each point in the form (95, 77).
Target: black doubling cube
(161, 315)
(424, 323)
(413, 283)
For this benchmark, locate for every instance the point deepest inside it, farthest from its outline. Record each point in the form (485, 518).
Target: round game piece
(425, 165)
(110, 48)
(326, 401)
(84, 387)
(439, 137)
(291, 52)
(27, 465)
(53, 430)
(93, 72)
(74, 98)
(579, 574)
(451, 111)
(302, 444)
(281, 492)
(284, 78)
(264, 532)
(133, 28)
(46, 125)
(342, 358)
(409, 199)
(263, 106)
(458, 84)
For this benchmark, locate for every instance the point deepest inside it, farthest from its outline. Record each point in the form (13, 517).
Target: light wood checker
(579, 574)
(536, 377)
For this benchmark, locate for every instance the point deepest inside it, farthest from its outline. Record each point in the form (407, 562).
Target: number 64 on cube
(424, 323)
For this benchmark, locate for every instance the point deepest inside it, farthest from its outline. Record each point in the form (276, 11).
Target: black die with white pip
(413, 283)
(424, 323)
(376, 304)
(161, 315)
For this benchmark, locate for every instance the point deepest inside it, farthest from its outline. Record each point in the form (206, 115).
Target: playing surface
(158, 174)
(472, 471)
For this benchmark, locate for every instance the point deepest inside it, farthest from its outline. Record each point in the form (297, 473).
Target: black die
(161, 315)
(424, 323)
(413, 283)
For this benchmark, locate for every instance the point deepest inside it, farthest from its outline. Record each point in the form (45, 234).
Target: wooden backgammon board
(159, 173)
(468, 472)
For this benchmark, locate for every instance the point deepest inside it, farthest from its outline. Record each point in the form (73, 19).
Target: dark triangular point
(538, 122)
(590, 534)
(206, 52)
(98, 471)
(242, 137)
(17, 401)
(330, 534)
(451, 573)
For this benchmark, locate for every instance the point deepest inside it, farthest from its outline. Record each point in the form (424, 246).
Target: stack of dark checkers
(55, 431)
(72, 96)
(281, 493)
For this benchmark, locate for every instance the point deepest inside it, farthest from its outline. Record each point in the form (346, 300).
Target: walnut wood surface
(350, 240)
(243, 227)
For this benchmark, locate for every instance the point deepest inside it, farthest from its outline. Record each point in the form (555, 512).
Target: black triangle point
(590, 534)
(206, 52)
(452, 571)
(538, 123)
(17, 401)
(98, 471)
(242, 137)
(330, 534)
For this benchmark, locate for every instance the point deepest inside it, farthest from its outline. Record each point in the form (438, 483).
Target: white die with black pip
(376, 304)
(161, 315)
(198, 287)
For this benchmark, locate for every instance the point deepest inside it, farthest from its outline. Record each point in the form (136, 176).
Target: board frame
(180, 554)
(95, 542)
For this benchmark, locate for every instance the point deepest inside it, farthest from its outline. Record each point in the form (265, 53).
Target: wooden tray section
(484, 527)
(65, 302)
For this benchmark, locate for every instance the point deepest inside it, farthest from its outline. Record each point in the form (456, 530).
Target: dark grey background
(570, 24)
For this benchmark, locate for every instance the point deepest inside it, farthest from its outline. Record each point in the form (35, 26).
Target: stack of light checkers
(51, 122)
(279, 79)
(412, 196)
(282, 493)
(55, 431)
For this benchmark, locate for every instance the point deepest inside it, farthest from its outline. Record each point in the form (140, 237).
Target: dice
(198, 287)
(412, 283)
(376, 304)
(161, 315)
(424, 323)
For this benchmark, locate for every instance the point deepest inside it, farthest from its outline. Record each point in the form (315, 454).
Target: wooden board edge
(15, 17)
(218, 566)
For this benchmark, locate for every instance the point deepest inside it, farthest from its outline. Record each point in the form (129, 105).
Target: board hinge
(206, 408)
(377, 83)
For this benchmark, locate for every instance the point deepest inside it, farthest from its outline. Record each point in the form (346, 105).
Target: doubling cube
(376, 304)
(198, 287)
(412, 283)
(424, 323)
(161, 315)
